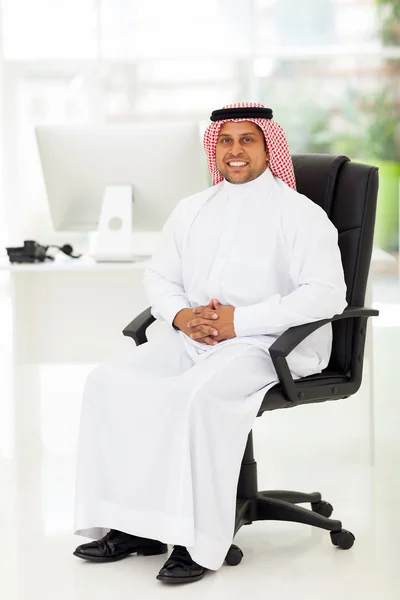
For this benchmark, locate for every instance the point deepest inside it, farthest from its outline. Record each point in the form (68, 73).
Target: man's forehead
(235, 128)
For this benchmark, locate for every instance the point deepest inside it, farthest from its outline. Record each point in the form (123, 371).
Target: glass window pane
(184, 101)
(185, 70)
(159, 88)
(48, 29)
(325, 22)
(177, 28)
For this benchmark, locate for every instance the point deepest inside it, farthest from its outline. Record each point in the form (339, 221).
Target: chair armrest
(292, 337)
(137, 328)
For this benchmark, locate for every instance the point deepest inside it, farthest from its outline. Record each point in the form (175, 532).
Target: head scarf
(280, 160)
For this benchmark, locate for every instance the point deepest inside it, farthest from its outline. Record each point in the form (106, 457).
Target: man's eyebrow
(241, 135)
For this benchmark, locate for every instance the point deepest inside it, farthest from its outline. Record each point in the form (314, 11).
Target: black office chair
(348, 193)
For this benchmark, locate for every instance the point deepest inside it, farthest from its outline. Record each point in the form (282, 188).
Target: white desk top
(87, 263)
(64, 263)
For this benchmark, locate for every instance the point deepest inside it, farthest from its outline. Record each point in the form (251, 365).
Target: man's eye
(223, 140)
(247, 139)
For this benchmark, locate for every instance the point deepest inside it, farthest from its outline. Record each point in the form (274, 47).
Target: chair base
(277, 505)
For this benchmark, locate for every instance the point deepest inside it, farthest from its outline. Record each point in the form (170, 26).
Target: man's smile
(237, 164)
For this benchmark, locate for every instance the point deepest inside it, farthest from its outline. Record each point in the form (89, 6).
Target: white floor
(326, 447)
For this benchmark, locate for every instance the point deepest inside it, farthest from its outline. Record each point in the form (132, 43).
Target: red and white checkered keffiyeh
(280, 160)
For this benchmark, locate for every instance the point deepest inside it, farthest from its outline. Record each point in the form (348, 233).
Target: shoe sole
(140, 551)
(180, 579)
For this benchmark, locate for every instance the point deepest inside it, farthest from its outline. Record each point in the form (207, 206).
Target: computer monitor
(92, 173)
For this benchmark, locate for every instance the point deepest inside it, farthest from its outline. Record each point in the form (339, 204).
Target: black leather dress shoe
(117, 545)
(180, 568)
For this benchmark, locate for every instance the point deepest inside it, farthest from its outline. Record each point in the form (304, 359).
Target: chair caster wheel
(322, 508)
(343, 539)
(234, 556)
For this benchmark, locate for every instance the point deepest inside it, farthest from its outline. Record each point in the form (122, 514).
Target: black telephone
(32, 252)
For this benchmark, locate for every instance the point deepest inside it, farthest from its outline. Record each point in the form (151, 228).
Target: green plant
(389, 13)
(367, 125)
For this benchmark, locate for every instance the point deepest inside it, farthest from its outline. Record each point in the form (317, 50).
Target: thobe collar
(261, 185)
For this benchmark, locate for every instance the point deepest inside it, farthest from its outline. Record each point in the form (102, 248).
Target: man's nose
(236, 148)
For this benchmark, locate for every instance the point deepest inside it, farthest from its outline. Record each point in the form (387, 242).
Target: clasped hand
(212, 323)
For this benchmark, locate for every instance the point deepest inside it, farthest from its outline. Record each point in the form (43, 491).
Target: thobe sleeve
(315, 268)
(163, 279)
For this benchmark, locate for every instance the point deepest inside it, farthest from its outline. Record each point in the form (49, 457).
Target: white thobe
(163, 429)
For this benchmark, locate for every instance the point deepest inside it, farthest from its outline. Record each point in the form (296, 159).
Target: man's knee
(204, 394)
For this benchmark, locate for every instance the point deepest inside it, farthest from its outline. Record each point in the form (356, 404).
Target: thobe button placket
(215, 276)
(230, 223)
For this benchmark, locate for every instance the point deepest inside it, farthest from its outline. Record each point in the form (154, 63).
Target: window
(324, 69)
(48, 29)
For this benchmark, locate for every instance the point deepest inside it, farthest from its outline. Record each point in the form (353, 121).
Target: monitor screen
(162, 162)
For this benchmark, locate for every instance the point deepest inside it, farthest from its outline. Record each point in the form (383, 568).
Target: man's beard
(251, 175)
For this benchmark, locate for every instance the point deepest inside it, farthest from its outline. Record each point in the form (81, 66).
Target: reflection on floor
(326, 447)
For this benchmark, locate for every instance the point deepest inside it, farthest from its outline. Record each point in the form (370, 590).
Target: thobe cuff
(263, 318)
(251, 320)
(168, 308)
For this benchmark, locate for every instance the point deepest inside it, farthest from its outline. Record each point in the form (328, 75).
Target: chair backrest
(347, 192)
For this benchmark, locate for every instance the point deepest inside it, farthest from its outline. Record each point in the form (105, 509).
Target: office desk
(70, 311)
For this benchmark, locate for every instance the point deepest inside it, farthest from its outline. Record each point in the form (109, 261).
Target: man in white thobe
(164, 428)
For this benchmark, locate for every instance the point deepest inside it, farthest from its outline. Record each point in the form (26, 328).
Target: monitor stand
(114, 233)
